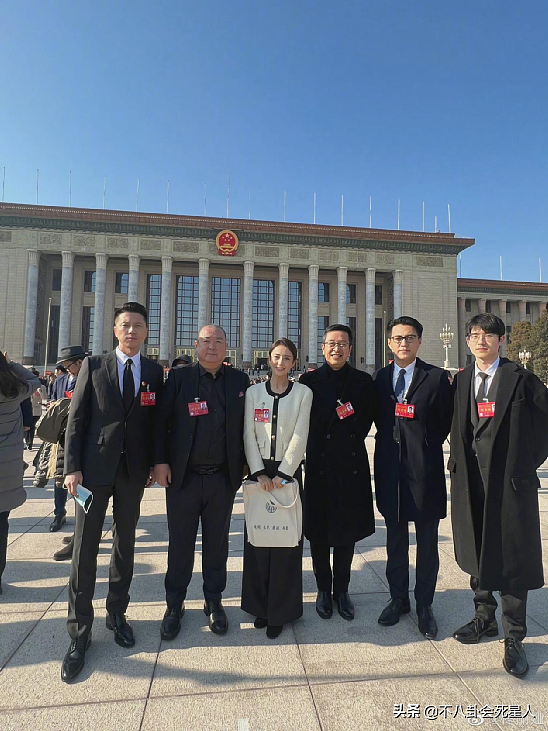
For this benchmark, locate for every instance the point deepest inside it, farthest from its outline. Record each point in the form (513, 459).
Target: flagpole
(249, 216)
(285, 195)
(399, 205)
(449, 217)
(137, 201)
(314, 207)
(3, 184)
(423, 215)
(104, 191)
(37, 183)
(342, 210)
(500, 264)
(205, 199)
(167, 198)
(70, 188)
(370, 209)
(228, 198)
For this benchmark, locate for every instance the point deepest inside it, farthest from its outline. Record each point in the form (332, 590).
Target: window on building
(487, 305)
(468, 305)
(350, 294)
(294, 310)
(527, 308)
(225, 307)
(508, 308)
(53, 344)
(186, 311)
(323, 322)
(263, 313)
(154, 297)
(56, 280)
(378, 294)
(88, 315)
(89, 281)
(323, 291)
(122, 282)
(351, 322)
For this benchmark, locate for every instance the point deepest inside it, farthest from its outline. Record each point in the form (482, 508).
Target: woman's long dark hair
(10, 384)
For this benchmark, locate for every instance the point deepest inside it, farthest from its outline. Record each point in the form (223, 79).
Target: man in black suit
(338, 501)
(413, 420)
(495, 454)
(199, 457)
(108, 450)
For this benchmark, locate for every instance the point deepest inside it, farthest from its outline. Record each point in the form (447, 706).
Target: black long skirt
(272, 585)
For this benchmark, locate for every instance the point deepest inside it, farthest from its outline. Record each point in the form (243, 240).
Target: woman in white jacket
(277, 415)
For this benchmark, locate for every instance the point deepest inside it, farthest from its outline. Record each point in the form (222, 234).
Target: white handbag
(273, 519)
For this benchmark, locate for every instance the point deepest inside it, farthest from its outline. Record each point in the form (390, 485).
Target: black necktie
(400, 385)
(481, 395)
(129, 386)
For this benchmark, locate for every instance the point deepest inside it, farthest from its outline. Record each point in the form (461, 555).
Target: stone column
(482, 303)
(461, 322)
(313, 270)
(370, 319)
(247, 342)
(283, 299)
(341, 289)
(502, 315)
(99, 311)
(398, 277)
(32, 306)
(203, 291)
(522, 310)
(133, 283)
(66, 299)
(165, 311)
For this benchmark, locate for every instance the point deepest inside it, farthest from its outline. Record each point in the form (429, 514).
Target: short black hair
(405, 320)
(487, 322)
(339, 328)
(136, 307)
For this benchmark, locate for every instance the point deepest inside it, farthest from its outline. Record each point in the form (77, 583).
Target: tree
(539, 347)
(520, 339)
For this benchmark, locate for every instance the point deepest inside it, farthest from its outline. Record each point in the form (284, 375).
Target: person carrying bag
(277, 416)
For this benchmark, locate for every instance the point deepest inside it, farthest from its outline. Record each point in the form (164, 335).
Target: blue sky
(439, 101)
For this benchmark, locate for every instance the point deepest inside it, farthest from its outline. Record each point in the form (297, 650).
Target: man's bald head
(211, 347)
(212, 331)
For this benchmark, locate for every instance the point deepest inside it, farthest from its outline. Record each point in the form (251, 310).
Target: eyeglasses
(333, 345)
(398, 339)
(490, 337)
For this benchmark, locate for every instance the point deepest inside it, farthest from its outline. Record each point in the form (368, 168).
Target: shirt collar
(408, 368)
(122, 358)
(203, 371)
(490, 371)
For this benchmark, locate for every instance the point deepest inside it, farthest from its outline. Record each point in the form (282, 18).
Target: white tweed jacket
(283, 437)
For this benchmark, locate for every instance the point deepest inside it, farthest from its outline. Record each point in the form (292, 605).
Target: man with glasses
(338, 504)
(413, 421)
(499, 438)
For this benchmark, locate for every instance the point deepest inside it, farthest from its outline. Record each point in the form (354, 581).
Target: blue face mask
(83, 497)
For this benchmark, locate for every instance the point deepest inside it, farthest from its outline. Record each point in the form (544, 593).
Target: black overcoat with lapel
(409, 470)
(338, 502)
(511, 549)
(175, 431)
(98, 427)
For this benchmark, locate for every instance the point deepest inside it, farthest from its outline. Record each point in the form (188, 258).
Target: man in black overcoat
(108, 450)
(199, 456)
(409, 471)
(338, 502)
(499, 438)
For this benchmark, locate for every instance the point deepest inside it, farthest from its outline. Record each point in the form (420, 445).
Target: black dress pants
(339, 578)
(209, 498)
(514, 609)
(397, 564)
(126, 505)
(4, 527)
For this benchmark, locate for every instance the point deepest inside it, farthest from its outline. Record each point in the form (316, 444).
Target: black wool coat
(511, 552)
(338, 501)
(409, 470)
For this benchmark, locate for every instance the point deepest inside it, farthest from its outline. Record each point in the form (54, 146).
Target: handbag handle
(279, 504)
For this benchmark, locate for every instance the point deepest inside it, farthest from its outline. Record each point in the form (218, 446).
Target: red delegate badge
(486, 409)
(406, 411)
(198, 408)
(68, 394)
(345, 410)
(148, 398)
(262, 415)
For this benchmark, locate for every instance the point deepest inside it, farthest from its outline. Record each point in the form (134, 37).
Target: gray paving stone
(14, 627)
(118, 716)
(497, 687)
(32, 584)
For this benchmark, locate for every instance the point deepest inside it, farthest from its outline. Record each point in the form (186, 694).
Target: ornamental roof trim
(497, 286)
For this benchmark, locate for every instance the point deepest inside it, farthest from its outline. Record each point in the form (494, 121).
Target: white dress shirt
(488, 381)
(409, 370)
(121, 359)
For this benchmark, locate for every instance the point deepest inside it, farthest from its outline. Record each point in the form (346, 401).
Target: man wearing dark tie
(499, 438)
(108, 450)
(200, 458)
(413, 420)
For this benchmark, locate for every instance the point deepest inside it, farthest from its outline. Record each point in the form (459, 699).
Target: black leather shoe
(75, 658)
(260, 623)
(171, 623)
(392, 612)
(344, 604)
(515, 659)
(427, 623)
(58, 521)
(472, 632)
(324, 604)
(64, 554)
(123, 634)
(274, 630)
(218, 621)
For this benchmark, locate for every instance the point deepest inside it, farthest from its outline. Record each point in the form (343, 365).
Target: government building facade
(260, 280)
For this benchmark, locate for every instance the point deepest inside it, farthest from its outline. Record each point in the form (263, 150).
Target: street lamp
(446, 336)
(525, 357)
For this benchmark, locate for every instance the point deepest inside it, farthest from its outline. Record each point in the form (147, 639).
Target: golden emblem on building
(227, 243)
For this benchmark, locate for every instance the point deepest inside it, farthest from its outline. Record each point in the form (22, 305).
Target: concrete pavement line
(320, 724)
(147, 697)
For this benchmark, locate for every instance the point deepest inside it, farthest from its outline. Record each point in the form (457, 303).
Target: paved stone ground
(329, 675)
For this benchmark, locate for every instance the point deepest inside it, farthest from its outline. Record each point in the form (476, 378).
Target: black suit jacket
(175, 427)
(409, 452)
(98, 427)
